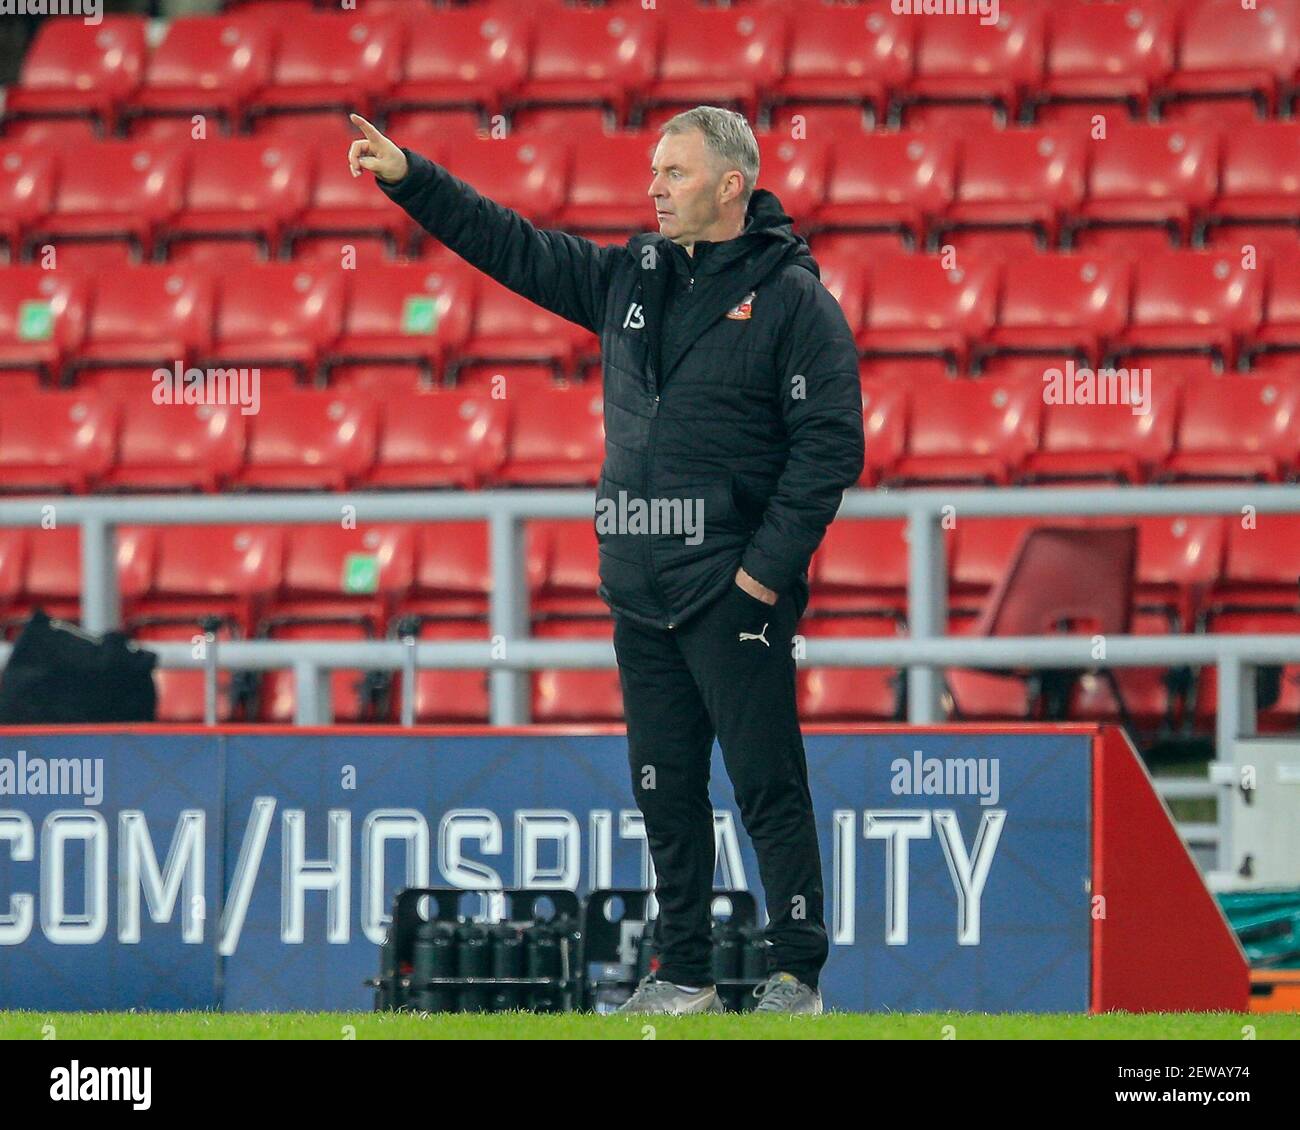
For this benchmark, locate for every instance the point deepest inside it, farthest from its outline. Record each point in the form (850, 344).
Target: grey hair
(728, 136)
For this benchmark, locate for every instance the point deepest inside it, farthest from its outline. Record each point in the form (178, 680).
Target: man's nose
(655, 189)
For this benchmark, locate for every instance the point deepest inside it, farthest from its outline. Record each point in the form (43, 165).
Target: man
(731, 387)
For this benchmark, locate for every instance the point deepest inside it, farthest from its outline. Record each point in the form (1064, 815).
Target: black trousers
(728, 672)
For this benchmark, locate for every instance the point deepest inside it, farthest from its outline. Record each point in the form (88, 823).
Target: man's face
(685, 186)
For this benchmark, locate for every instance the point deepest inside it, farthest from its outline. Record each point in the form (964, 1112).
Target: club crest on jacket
(744, 309)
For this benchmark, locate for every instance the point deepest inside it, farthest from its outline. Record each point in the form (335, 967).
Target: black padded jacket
(746, 408)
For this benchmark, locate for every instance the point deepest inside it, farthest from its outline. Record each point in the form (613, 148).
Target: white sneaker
(663, 997)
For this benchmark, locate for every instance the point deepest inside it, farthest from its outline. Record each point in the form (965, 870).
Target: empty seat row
(211, 198)
(259, 61)
(430, 320)
(301, 439)
(444, 322)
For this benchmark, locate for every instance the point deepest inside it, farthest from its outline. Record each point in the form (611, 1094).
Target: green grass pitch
(570, 1026)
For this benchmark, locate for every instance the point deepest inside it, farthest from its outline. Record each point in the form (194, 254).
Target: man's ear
(733, 187)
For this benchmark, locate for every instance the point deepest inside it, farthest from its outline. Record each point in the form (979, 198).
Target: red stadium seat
(53, 571)
(440, 438)
(13, 567)
(510, 330)
(849, 694)
(151, 316)
(1157, 177)
(1282, 714)
(557, 436)
(845, 55)
(980, 554)
(176, 446)
(42, 318)
(897, 183)
(55, 441)
(921, 306)
(795, 171)
(77, 69)
(1145, 697)
(574, 695)
(1179, 559)
(410, 318)
(352, 693)
(1124, 432)
(341, 61)
(884, 419)
(205, 64)
(181, 693)
(1026, 179)
(1260, 565)
(843, 275)
(1227, 51)
(609, 185)
(860, 568)
(527, 172)
(453, 577)
(1103, 54)
(355, 575)
(310, 439)
(227, 572)
(570, 573)
(278, 314)
(971, 62)
(973, 695)
(241, 189)
(1278, 337)
(1054, 304)
(719, 57)
(976, 431)
(1237, 428)
(447, 696)
(112, 199)
(600, 58)
(466, 57)
(27, 178)
(1192, 302)
(1258, 185)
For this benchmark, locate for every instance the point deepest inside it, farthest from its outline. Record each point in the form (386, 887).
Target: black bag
(58, 673)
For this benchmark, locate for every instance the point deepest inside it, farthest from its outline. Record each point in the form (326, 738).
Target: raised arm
(563, 273)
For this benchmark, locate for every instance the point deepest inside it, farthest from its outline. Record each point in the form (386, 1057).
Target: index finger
(365, 127)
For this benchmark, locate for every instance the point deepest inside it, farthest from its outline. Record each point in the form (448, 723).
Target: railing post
(101, 609)
(409, 676)
(209, 678)
(927, 610)
(508, 615)
(312, 692)
(1235, 719)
